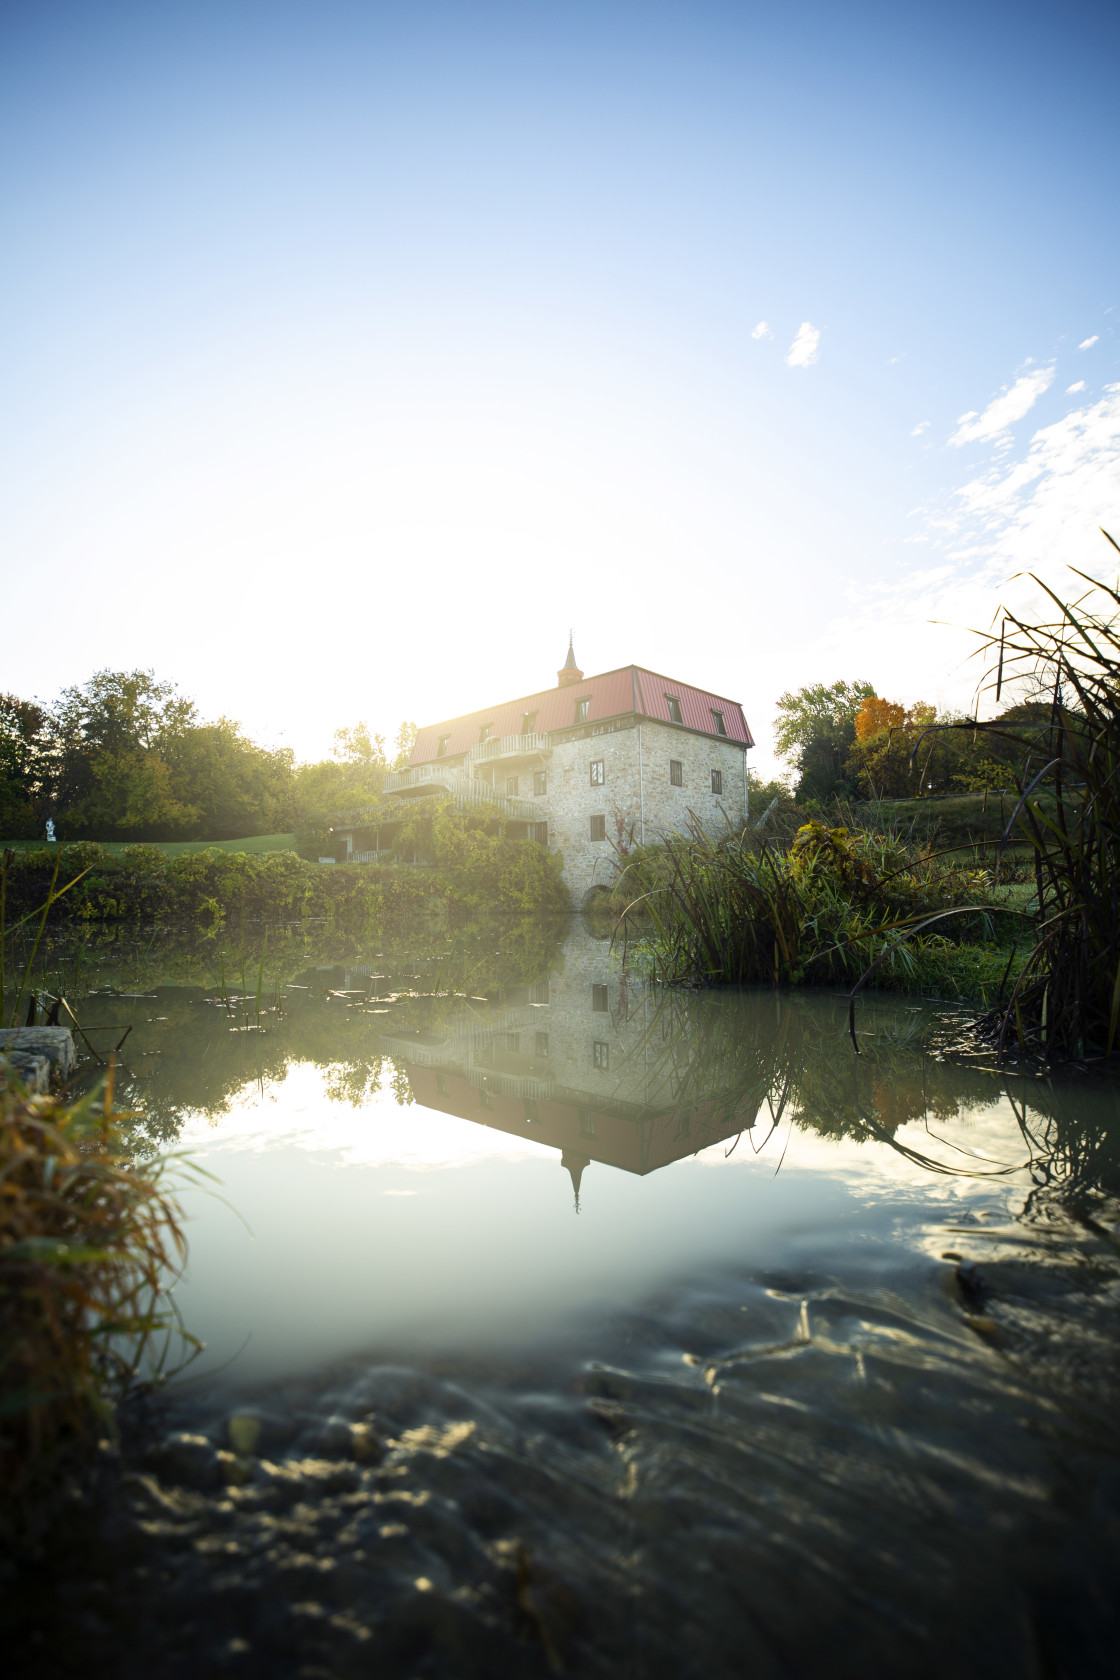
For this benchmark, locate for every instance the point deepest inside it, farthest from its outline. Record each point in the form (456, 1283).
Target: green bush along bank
(143, 885)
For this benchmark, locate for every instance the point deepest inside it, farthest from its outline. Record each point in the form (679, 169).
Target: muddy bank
(909, 1467)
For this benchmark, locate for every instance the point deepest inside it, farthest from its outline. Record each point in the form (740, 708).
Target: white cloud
(1088, 343)
(762, 330)
(1038, 512)
(922, 426)
(1071, 390)
(1004, 410)
(803, 351)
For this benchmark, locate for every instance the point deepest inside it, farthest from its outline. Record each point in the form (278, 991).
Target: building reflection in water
(583, 1062)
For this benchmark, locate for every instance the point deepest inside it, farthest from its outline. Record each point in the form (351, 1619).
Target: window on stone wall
(601, 1055)
(598, 997)
(676, 772)
(598, 828)
(540, 782)
(598, 773)
(538, 992)
(539, 833)
(542, 1044)
(717, 719)
(674, 706)
(511, 786)
(717, 781)
(513, 1043)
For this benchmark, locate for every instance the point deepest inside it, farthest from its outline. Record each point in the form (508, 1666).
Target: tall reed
(732, 909)
(90, 1248)
(39, 915)
(1066, 1001)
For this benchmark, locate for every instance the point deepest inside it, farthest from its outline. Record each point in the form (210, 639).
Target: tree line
(844, 741)
(125, 756)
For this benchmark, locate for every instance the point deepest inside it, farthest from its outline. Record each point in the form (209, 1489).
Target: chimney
(569, 672)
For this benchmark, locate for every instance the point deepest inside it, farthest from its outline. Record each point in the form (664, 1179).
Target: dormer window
(674, 706)
(528, 722)
(444, 743)
(582, 709)
(484, 731)
(721, 727)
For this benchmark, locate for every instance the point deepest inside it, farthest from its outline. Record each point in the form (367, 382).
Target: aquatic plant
(734, 909)
(41, 915)
(1066, 999)
(90, 1248)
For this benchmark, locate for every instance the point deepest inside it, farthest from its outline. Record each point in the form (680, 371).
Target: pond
(557, 1324)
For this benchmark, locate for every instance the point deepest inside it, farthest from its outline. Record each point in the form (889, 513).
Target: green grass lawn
(175, 848)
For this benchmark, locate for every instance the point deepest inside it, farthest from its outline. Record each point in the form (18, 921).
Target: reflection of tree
(760, 1056)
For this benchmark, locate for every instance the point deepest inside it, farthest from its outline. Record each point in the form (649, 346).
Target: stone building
(586, 768)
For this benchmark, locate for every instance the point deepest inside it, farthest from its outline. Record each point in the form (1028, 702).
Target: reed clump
(1066, 1000)
(734, 909)
(91, 1245)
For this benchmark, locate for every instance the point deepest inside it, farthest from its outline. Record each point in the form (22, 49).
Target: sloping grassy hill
(961, 819)
(176, 848)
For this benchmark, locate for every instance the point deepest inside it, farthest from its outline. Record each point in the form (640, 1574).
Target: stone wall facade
(636, 797)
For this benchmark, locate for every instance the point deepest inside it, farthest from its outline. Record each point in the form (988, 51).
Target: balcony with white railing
(529, 745)
(460, 787)
(421, 778)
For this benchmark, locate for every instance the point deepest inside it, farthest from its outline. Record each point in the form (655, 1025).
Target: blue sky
(353, 352)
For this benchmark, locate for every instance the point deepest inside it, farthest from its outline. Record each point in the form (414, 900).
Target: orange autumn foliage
(875, 714)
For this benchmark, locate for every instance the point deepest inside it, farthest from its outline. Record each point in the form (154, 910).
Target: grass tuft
(90, 1248)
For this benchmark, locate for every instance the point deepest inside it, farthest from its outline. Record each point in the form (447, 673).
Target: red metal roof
(630, 689)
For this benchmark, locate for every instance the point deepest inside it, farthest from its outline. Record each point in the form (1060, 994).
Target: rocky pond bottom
(821, 1378)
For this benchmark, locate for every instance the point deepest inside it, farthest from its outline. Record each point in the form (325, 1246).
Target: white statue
(50, 831)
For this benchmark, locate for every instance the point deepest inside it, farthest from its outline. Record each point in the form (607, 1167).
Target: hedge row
(142, 884)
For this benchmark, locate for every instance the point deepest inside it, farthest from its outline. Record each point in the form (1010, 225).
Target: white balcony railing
(464, 789)
(511, 746)
(421, 775)
(437, 774)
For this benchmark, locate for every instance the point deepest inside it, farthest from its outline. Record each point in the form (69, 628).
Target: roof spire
(575, 1165)
(569, 672)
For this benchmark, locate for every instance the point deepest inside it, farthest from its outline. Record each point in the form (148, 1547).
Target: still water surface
(825, 1343)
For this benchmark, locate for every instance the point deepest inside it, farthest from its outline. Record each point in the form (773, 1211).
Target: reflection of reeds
(90, 1246)
(784, 1055)
(54, 893)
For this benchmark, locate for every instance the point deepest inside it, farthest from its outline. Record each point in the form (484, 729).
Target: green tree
(113, 779)
(235, 786)
(406, 740)
(358, 746)
(815, 732)
(353, 777)
(26, 767)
